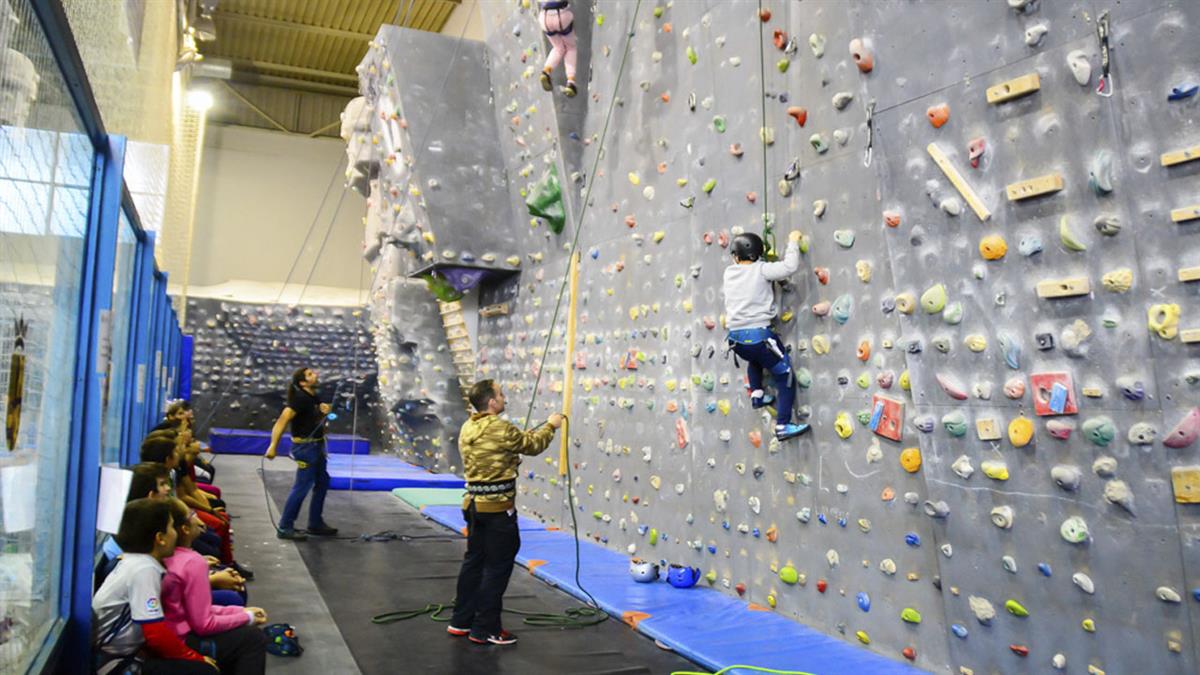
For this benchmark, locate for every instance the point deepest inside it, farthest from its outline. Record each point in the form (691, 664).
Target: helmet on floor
(747, 246)
(642, 571)
(282, 640)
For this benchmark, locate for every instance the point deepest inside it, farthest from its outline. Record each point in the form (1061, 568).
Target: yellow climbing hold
(910, 459)
(906, 303)
(1089, 625)
(905, 381)
(634, 178)
(787, 316)
(863, 637)
(659, 235)
(995, 470)
(863, 269)
(993, 247)
(1020, 431)
(976, 343)
(1164, 320)
(711, 577)
(771, 599)
(843, 426)
(724, 406)
(820, 344)
(863, 381)
(1118, 281)
(513, 261)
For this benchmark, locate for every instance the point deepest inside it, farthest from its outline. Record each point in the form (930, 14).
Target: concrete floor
(282, 584)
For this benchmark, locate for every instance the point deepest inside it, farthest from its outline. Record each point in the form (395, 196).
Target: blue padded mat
(451, 517)
(253, 442)
(383, 472)
(711, 628)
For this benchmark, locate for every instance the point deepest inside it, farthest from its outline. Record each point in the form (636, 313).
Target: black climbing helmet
(747, 246)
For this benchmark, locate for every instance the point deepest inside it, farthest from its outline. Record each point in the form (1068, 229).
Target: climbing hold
(1067, 237)
(975, 342)
(1074, 530)
(887, 566)
(1100, 430)
(1020, 431)
(818, 143)
(1168, 594)
(983, 610)
(1089, 625)
(975, 150)
(912, 539)
(1118, 492)
(863, 57)
(1044, 568)
(718, 124)
(1163, 319)
(891, 218)
(1002, 517)
(1029, 245)
(1012, 351)
(788, 575)
(1118, 281)
(822, 585)
(910, 615)
(933, 300)
(1019, 650)
(691, 55)
(844, 238)
(841, 308)
(1014, 388)
(1107, 224)
(862, 269)
(709, 185)
(953, 315)
(993, 247)
(938, 509)
(1100, 173)
(843, 426)
(1015, 608)
(1035, 33)
(955, 423)
(938, 115)
(1132, 389)
(962, 467)
(959, 631)
(1104, 466)
(1080, 66)
(842, 99)
(1184, 433)
(951, 386)
(996, 469)
(1066, 476)
(863, 637)
(799, 114)
(910, 459)
(1084, 582)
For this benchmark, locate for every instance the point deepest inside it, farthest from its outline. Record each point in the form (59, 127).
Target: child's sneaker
(545, 80)
(569, 91)
(457, 632)
(502, 638)
(786, 431)
(757, 402)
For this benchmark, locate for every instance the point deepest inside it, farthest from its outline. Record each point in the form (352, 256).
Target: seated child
(750, 306)
(187, 602)
(130, 631)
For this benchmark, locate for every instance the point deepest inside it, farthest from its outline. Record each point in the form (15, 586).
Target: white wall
(465, 16)
(259, 192)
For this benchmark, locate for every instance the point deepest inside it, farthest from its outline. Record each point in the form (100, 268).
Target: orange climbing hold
(667, 28)
(755, 438)
(864, 350)
(780, 39)
(938, 115)
(735, 149)
(662, 167)
(798, 113)
(772, 534)
(666, 97)
(891, 218)
(888, 494)
(909, 653)
(764, 15)
(863, 57)
(631, 220)
(822, 275)
(752, 196)
(993, 247)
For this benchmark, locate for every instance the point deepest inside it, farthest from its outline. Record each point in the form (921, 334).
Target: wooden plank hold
(1064, 288)
(1034, 187)
(960, 183)
(1185, 214)
(1180, 156)
(1190, 335)
(498, 309)
(1014, 88)
(1189, 274)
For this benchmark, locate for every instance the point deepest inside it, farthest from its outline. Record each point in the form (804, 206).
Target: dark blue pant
(493, 540)
(769, 354)
(228, 598)
(312, 473)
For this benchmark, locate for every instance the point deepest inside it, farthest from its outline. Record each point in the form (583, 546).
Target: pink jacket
(187, 598)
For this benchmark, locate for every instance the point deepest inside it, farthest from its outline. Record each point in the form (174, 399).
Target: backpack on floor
(282, 640)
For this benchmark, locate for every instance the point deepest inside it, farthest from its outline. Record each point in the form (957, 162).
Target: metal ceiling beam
(247, 19)
(260, 66)
(293, 83)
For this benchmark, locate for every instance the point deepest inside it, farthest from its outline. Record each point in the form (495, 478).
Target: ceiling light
(199, 99)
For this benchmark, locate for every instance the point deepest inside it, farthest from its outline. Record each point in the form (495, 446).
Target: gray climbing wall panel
(670, 462)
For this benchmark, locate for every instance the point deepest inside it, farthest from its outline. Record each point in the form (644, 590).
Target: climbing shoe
(545, 80)
(291, 534)
(786, 431)
(569, 91)
(757, 402)
(502, 638)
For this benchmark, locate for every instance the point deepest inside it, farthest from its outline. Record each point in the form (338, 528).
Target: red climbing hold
(764, 15)
(780, 39)
(909, 653)
(1019, 650)
(752, 196)
(822, 585)
(631, 221)
(891, 218)
(822, 275)
(799, 114)
(741, 589)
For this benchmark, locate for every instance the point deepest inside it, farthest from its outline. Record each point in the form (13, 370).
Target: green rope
(768, 229)
(755, 668)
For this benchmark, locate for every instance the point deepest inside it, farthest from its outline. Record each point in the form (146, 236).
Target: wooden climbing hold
(1064, 288)
(1189, 274)
(956, 179)
(1034, 187)
(1014, 88)
(1180, 156)
(1185, 214)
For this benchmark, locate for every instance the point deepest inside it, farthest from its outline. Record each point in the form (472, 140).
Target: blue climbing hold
(1182, 91)
(1044, 568)
(711, 407)
(959, 631)
(864, 602)
(574, 135)
(594, 252)
(842, 521)
(912, 539)
(821, 519)
(712, 549)
(756, 533)
(1012, 351)
(643, 529)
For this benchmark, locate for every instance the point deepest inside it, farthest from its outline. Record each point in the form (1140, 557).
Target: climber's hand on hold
(794, 237)
(555, 420)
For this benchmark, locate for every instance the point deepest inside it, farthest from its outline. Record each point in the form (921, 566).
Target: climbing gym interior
(805, 337)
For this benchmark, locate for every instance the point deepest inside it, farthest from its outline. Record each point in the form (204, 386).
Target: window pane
(118, 344)
(45, 171)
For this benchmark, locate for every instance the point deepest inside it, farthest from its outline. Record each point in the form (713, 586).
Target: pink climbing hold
(975, 150)
(1186, 432)
(822, 308)
(735, 149)
(682, 437)
(752, 196)
(631, 220)
(863, 57)
(723, 239)
(952, 388)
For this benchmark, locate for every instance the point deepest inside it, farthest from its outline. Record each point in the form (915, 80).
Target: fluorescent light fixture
(199, 99)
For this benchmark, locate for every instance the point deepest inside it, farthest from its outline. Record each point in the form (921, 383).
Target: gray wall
(659, 299)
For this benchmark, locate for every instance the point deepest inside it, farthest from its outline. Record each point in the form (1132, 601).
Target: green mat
(418, 497)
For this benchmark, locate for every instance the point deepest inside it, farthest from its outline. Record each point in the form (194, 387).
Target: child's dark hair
(158, 448)
(481, 393)
(169, 424)
(180, 512)
(294, 389)
(142, 520)
(145, 479)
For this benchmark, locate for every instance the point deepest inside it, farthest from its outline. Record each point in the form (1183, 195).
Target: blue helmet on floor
(683, 577)
(282, 640)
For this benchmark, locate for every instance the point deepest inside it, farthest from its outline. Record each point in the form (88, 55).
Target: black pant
(492, 544)
(241, 651)
(176, 667)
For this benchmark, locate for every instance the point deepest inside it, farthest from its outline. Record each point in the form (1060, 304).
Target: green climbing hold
(804, 243)
(910, 615)
(789, 575)
(933, 300)
(817, 141)
(545, 201)
(441, 288)
(709, 185)
(864, 416)
(653, 536)
(955, 424)
(863, 382)
(691, 54)
(599, 19)
(658, 11)
(598, 515)
(783, 65)
(719, 124)
(804, 378)
(1068, 238)
(953, 314)
(1015, 608)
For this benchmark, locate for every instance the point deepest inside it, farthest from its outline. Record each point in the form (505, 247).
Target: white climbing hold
(1081, 66)
(1035, 33)
(1104, 466)
(832, 557)
(962, 467)
(1168, 594)
(1059, 662)
(1084, 582)
(1118, 492)
(755, 505)
(982, 608)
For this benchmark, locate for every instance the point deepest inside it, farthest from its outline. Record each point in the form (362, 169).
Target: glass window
(46, 165)
(116, 349)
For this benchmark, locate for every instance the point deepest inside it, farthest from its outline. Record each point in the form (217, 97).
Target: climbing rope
(740, 667)
(768, 232)
(574, 617)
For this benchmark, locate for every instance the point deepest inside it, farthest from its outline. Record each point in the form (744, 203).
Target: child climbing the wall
(558, 23)
(750, 306)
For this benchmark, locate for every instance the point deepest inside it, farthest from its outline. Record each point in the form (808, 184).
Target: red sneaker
(502, 638)
(458, 632)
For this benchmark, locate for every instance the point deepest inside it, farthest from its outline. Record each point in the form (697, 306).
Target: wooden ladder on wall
(459, 341)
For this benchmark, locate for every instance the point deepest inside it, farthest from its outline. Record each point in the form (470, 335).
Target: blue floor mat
(254, 442)
(451, 517)
(383, 472)
(702, 624)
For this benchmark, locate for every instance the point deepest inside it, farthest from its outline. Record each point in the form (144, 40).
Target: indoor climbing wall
(246, 354)
(994, 327)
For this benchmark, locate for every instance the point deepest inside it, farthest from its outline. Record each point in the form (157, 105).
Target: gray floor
(282, 584)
